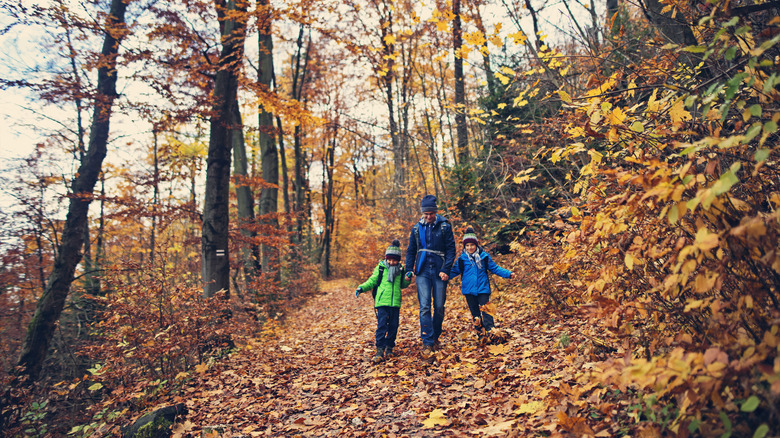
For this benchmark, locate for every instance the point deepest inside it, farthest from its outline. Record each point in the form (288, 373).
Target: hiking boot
(388, 352)
(380, 353)
(436, 345)
(427, 354)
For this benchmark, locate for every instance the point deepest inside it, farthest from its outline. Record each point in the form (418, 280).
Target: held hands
(409, 275)
(358, 291)
(443, 276)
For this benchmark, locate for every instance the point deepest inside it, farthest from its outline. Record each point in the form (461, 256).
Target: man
(429, 256)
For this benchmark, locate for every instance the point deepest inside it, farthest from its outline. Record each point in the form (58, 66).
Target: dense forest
(204, 173)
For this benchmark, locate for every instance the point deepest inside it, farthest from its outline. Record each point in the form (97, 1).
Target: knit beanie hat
(428, 204)
(470, 237)
(394, 250)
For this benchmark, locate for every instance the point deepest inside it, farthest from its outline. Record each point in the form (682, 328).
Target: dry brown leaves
(315, 378)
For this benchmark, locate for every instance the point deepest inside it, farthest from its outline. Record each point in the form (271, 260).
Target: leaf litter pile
(312, 375)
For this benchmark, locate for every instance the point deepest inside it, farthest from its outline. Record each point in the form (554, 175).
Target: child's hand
(511, 275)
(358, 291)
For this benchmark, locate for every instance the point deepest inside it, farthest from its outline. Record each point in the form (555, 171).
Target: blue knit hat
(428, 204)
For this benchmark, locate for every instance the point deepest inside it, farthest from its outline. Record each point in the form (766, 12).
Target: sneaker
(380, 352)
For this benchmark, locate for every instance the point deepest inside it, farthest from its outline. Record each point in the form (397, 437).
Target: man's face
(392, 262)
(470, 248)
(430, 216)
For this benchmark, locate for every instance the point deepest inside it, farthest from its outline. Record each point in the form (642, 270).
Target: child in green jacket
(388, 279)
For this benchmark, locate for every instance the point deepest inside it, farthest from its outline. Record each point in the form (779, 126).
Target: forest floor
(313, 376)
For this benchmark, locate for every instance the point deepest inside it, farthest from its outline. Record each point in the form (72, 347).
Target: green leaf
(750, 404)
(731, 53)
(695, 49)
(95, 386)
(761, 155)
(770, 127)
(754, 130)
(755, 110)
(732, 22)
(726, 423)
(761, 431)
(638, 127)
(724, 183)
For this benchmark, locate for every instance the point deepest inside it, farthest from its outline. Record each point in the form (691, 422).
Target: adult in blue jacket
(429, 256)
(474, 264)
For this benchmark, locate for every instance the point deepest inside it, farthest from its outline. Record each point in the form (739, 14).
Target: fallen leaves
(436, 418)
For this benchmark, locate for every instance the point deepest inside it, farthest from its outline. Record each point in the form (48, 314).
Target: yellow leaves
(389, 39)
(504, 79)
(617, 116)
(435, 418)
(519, 38)
(630, 260)
(530, 408)
(678, 114)
(201, 368)
(499, 349)
(705, 240)
(475, 38)
(565, 96)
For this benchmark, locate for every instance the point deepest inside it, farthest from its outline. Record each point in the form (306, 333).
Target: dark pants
(474, 302)
(386, 326)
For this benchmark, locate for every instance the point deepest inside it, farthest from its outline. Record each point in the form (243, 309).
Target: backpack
(378, 282)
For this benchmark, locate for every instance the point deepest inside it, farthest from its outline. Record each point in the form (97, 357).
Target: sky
(26, 122)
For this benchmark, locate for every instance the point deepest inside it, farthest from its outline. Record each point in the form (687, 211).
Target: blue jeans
(386, 326)
(431, 289)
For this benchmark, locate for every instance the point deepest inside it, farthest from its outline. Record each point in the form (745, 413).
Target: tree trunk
(328, 162)
(245, 202)
(674, 26)
(299, 183)
(460, 91)
(214, 238)
(269, 196)
(51, 303)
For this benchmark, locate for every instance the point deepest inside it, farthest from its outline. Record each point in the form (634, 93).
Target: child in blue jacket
(474, 263)
(387, 279)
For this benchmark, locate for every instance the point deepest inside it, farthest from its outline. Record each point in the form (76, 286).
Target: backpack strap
(379, 281)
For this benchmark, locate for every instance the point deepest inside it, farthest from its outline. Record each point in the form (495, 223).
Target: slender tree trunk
(214, 238)
(328, 163)
(298, 85)
(269, 196)
(245, 202)
(51, 303)
(460, 91)
(283, 159)
(155, 198)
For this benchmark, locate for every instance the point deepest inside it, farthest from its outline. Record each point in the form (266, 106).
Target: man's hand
(358, 291)
(443, 276)
(409, 275)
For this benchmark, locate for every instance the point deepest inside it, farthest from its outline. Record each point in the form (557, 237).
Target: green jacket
(387, 294)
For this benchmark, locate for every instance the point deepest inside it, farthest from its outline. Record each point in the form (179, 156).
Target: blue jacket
(475, 280)
(441, 246)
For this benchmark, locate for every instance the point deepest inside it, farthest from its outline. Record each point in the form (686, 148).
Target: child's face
(470, 248)
(392, 262)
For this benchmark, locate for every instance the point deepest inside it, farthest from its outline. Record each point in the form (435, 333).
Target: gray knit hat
(394, 250)
(470, 237)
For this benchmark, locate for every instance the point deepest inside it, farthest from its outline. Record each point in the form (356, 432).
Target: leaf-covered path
(312, 376)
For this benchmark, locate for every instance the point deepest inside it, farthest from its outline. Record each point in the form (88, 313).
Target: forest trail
(315, 376)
